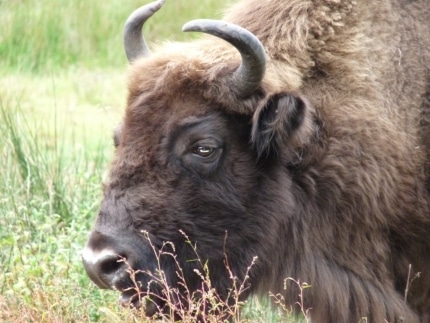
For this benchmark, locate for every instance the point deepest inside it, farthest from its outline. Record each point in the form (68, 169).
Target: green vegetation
(62, 91)
(45, 35)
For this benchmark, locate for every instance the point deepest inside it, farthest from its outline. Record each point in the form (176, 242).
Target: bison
(296, 134)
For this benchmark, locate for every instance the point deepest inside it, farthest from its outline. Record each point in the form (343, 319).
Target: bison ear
(280, 125)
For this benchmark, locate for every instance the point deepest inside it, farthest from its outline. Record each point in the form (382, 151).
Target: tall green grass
(40, 35)
(48, 199)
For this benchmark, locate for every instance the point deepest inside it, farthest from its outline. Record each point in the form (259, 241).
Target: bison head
(197, 160)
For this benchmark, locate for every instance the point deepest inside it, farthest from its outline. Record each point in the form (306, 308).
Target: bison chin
(152, 305)
(169, 290)
(148, 291)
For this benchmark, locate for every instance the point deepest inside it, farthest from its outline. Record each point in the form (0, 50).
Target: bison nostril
(104, 267)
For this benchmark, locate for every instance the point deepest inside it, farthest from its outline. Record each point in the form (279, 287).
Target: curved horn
(251, 70)
(134, 43)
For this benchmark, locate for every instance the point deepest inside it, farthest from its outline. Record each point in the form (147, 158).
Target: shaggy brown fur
(324, 173)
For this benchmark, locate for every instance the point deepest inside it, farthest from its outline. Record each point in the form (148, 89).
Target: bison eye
(204, 151)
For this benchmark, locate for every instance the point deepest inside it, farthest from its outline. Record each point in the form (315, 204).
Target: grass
(49, 188)
(62, 91)
(41, 35)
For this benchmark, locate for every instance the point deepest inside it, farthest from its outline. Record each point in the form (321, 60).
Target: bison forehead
(199, 75)
(176, 74)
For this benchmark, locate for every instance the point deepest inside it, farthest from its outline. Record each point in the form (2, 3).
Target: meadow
(62, 91)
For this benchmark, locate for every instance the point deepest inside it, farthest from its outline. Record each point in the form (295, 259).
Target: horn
(134, 44)
(250, 73)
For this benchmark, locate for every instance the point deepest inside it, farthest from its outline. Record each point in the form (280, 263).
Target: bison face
(192, 172)
(197, 174)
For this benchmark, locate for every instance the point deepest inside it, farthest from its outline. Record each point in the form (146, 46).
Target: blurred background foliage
(36, 35)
